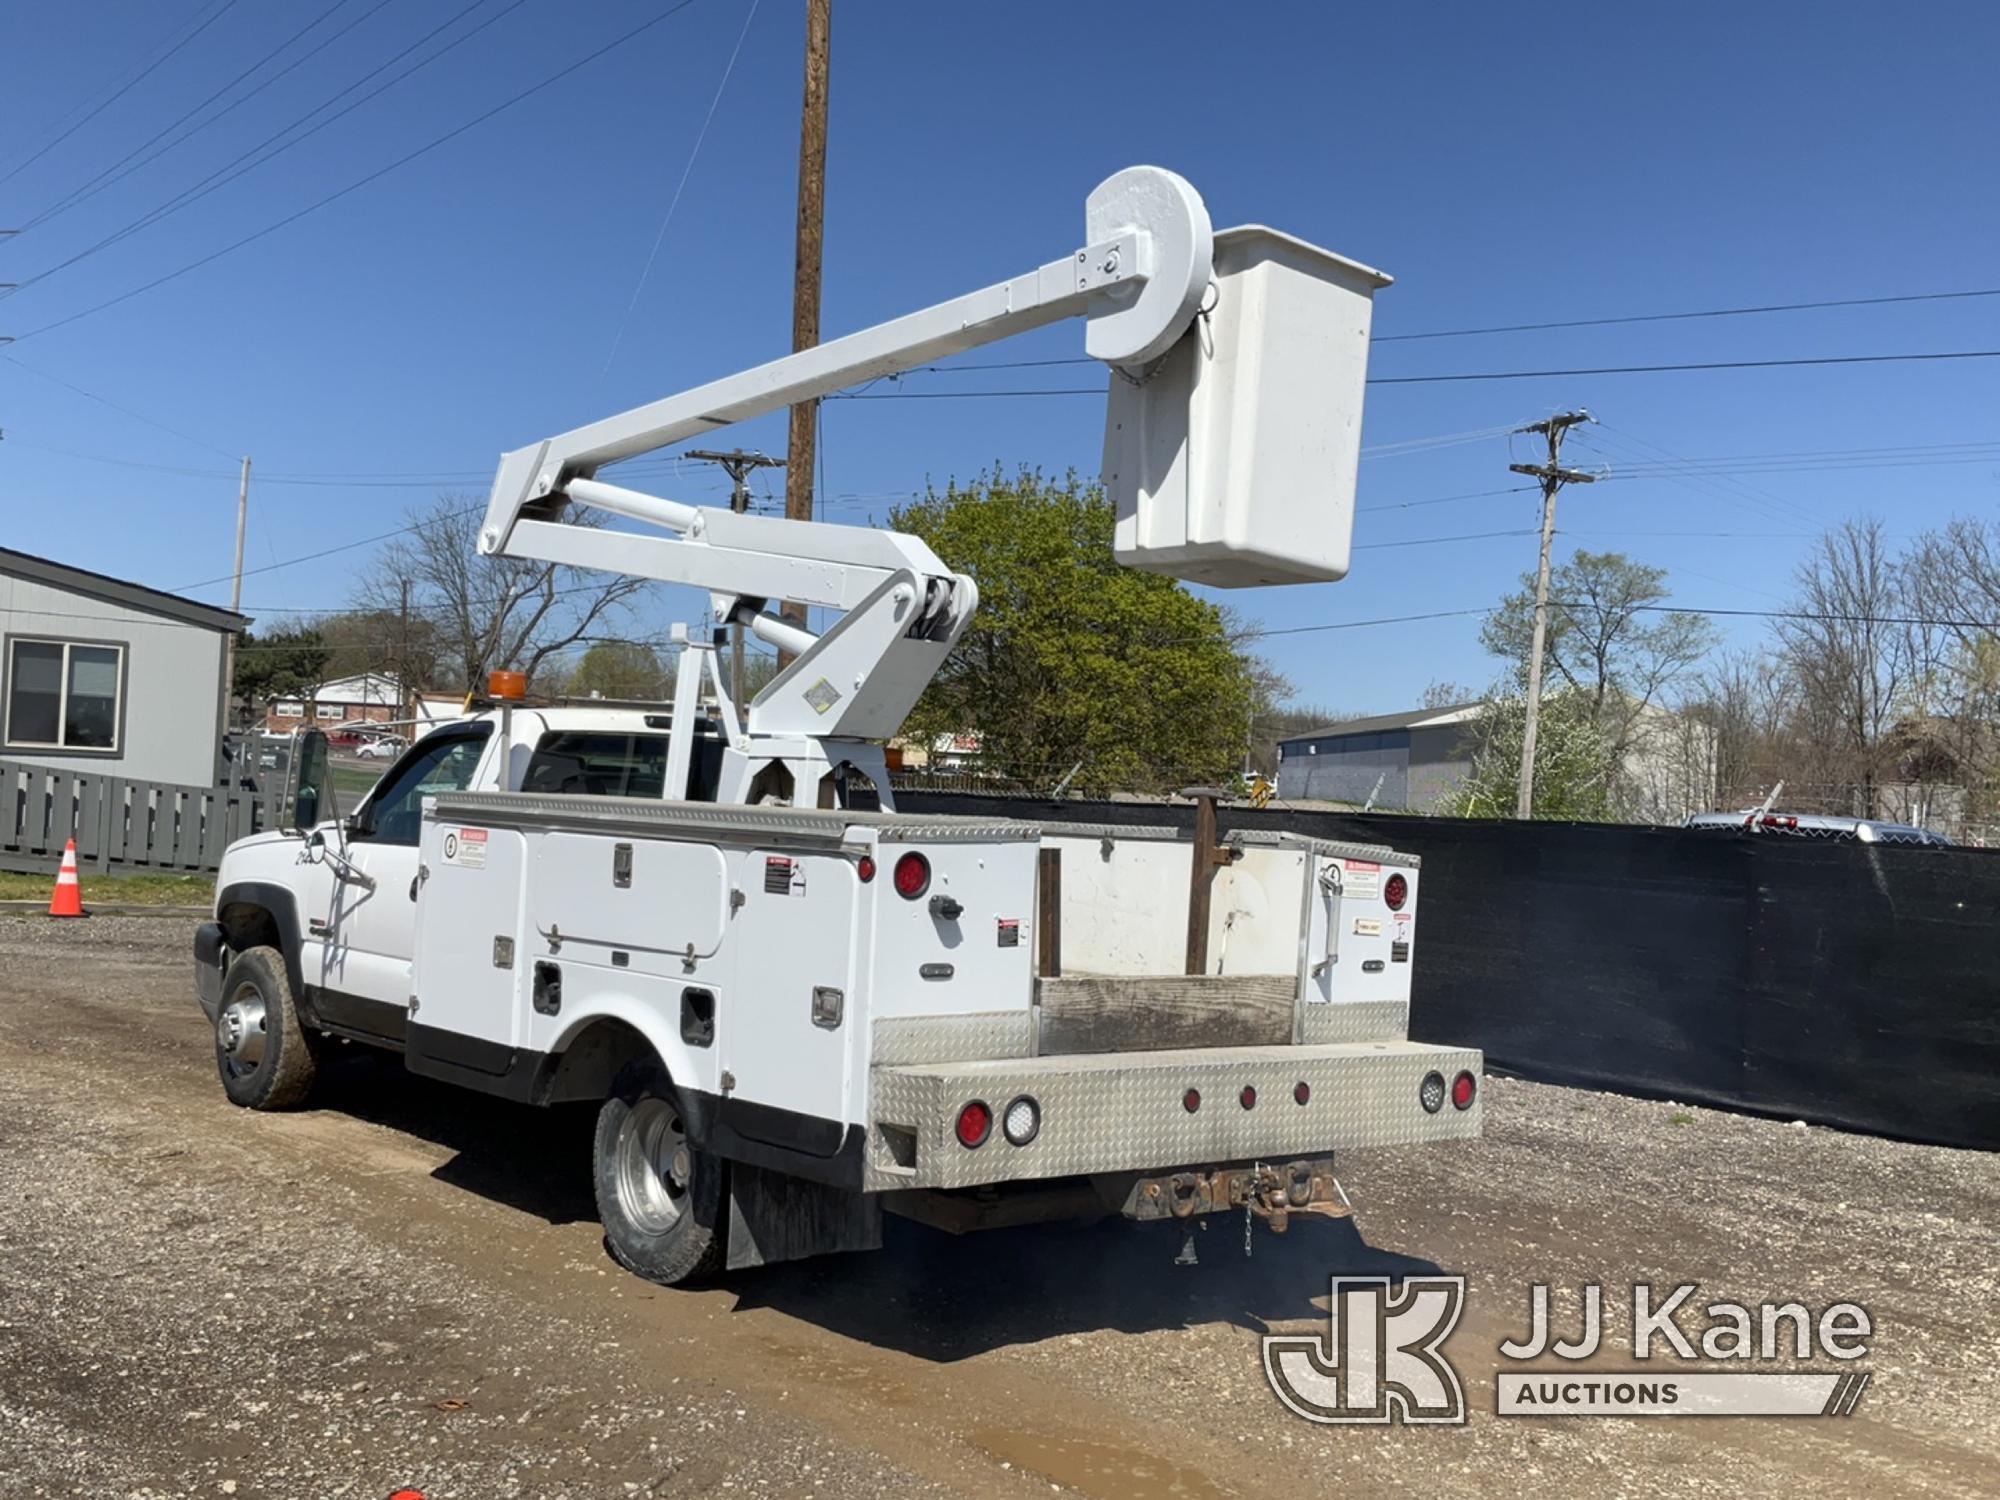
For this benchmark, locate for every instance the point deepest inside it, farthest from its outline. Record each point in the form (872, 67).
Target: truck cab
(337, 894)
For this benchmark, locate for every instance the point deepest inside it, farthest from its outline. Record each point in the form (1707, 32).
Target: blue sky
(1603, 161)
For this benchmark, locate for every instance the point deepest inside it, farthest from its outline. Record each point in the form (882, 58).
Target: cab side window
(595, 763)
(440, 762)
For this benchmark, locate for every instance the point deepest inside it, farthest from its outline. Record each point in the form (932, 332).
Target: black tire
(264, 1056)
(665, 1225)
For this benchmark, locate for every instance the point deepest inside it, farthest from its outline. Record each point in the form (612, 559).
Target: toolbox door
(467, 966)
(785, 1030)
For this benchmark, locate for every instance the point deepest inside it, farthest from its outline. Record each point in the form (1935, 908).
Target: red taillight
(1248, 1098)
(1395, 891)
(1302, 1092)
(975, 1123)
(865, 868)
(913, 876)
(1191, 1100)
(1463, 1089)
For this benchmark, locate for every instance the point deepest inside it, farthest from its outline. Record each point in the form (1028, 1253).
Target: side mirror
(309, 784)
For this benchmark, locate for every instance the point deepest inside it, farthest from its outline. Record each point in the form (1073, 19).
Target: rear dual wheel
(660, 1198)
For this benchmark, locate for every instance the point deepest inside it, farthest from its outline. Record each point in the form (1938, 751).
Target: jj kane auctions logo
(1382, 1358)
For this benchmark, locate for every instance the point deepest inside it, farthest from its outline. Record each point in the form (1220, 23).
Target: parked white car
(384, 748)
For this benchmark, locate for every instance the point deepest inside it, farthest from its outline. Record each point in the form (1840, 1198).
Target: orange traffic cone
(68, 898)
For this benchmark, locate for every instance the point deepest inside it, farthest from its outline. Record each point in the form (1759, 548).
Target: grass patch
(1680, 1117)
(148, 890)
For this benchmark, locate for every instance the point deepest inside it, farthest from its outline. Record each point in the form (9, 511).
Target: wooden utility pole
(799, 452)
(1553, 477)
(235, 600)
(737, 464)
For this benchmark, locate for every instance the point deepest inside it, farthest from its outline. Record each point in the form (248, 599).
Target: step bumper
(1126, 1112)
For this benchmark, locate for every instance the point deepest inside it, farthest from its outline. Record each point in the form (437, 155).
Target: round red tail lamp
(1395, 891)
(1464, 1089)
(912, 876)
(975, 1123)
(1248, 1098)
(865, 868)
(1302, 1092)
(1191, 1100)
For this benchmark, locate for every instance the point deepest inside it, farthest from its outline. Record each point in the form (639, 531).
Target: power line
(121, 92)
(546, 81)
(115, 406)
(367, 541)
(95, 184)
(1713, 364)
(223, 175)
(687, 171)
(1438, 379)
(1433, 541)
(231, 107)
(1713, 312)
(1512, 489)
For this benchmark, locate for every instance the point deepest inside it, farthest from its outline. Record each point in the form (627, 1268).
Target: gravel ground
(404, 1285)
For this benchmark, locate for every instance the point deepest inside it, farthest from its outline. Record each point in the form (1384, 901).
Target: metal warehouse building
(1406, 760)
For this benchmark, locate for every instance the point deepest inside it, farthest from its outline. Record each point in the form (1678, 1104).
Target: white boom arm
(1138, 281)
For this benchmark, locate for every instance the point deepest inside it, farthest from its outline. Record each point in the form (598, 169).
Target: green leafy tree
(1072, 657)
(619, 669)
(283, 662)
(1573, 761)
(1607, 637)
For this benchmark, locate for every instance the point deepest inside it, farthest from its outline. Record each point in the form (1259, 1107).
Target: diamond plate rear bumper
(1123, 1112)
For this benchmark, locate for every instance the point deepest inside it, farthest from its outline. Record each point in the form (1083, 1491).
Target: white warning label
(1361, 879)
(465, 847)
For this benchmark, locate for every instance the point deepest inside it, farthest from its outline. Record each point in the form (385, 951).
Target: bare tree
(489, 613)
(1954, 581)
(1854, 662)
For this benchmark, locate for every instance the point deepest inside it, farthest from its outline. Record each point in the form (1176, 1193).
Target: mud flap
(777, 1217)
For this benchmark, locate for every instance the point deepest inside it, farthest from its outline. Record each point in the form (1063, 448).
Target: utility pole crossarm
(1547, 472)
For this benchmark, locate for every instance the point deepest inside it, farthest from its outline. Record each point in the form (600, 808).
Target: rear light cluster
(1395, 891)
(1778, 820)
(912, 876)
(1431, 1093)
(1020, 1123)
(1301, 1095)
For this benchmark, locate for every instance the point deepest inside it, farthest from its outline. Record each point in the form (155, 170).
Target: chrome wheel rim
(654, 1165)
(241, 1031)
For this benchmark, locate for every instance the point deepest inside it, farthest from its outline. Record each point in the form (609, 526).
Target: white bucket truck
(798, 1006)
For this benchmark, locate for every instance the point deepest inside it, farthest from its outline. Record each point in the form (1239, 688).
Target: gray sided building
(98, 674)
(1402, 761)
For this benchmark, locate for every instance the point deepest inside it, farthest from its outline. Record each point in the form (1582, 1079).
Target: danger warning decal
(1363, 880)
(465, 847)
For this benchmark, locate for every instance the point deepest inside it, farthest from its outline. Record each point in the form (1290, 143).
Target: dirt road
(404, 1286)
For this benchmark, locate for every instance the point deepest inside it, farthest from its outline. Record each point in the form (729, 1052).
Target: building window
(329, 711)
(64, 695)
(284, 710)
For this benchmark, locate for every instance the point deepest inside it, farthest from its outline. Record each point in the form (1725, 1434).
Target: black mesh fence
(1841, 983)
